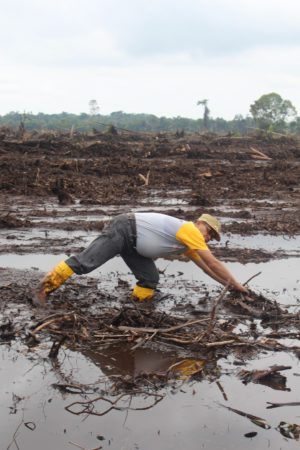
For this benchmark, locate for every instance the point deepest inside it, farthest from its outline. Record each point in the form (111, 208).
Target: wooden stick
(76, 445)
(259, 154)
(143, 341)
(222, 390)
(251, 278)
(49, 322)
(145, 179)
(278, 405)
(219, 344)
(214, 310)
(160, 330)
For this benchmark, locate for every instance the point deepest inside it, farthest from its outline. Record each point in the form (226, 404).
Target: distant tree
(270, 111)
(94, 107)
(136, 122)
(240, 124)
(206, 112)
(295, 125)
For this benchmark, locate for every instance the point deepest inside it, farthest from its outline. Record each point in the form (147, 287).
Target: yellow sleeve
(189, 235)
(192, 254)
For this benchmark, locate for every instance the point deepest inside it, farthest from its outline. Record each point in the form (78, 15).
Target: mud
(156, 373)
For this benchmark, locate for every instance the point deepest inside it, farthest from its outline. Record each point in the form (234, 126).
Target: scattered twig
(88, 405)
(254, 419)
(76, 445)
(213, 312)
(257, 154)
(278, 405)
(56, 346)
(70, 388)
(55, 320)
(222, 390)
(13, 441)
(145, 179)
(160, 330)
(143, 341)
(251, 278)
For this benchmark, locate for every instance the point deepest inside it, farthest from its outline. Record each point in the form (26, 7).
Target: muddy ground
(92, 346)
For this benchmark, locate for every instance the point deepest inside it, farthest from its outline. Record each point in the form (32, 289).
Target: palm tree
(205, 112)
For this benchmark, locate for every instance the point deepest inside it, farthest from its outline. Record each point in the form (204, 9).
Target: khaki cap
(213, 223)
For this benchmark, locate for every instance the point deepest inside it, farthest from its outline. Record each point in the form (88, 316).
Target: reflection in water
(128, 369)
(118, 360)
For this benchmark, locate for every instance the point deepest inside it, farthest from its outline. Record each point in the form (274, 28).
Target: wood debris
(257, 154)
(256, 375)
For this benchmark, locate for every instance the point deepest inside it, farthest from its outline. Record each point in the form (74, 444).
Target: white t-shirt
(162, 235)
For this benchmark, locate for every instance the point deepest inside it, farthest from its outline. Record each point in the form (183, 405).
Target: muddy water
(190, 414)
(284, 287)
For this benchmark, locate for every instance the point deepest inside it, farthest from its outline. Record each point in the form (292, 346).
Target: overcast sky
(152, 56)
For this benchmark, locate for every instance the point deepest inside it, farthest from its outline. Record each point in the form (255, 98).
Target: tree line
(269, 113)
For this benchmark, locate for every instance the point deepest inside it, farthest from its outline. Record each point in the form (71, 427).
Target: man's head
(210, 227)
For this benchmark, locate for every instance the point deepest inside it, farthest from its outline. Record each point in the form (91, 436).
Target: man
(139, 238)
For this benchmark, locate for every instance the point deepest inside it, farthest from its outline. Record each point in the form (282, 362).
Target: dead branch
(88, 405)
(256, 375)
(219, 344)
(145, 179)
(214, 310)
(251, 278)
(278, 405)
(254, 419)
(15, 435)
(56, 346)
(222, 390)
(67, 316)
(256, 154)
(160, 330)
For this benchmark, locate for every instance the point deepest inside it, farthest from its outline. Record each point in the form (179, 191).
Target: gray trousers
(117, 238)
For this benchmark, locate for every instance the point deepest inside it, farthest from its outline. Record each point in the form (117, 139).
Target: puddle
(180, 278)
(122, 361)
(189, 415)
(266, 242)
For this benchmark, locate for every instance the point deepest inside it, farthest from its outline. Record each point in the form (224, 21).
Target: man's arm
(214, 268)
(200, 263)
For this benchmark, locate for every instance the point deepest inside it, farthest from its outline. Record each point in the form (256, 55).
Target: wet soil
(203, 171)
(93, 353)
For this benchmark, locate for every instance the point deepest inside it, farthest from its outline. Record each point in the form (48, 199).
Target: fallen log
(257, 154)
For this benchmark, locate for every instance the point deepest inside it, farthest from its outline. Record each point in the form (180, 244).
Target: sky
(148, 56)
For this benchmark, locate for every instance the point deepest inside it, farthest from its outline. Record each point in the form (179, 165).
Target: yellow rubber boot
(142, 293)
(52, 281)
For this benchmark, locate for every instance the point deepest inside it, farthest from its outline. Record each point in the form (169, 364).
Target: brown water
(190, 414)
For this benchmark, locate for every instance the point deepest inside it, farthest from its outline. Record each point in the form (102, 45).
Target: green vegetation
(133, 122)
(269, 113)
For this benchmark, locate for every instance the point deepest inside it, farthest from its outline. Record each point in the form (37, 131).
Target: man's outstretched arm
(214, 268)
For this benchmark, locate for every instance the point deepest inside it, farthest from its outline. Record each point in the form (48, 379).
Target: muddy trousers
(117, 238)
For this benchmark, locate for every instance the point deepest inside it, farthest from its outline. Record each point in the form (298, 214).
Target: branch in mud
(289, 430)
(89, 405)
(279, 405)
(137, 326)
(56, 346)
(70, 388)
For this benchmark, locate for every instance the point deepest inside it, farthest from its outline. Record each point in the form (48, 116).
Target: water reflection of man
(140, 238)
(122, 361)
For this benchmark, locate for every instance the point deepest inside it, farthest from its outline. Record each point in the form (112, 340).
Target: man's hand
(239, 288)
